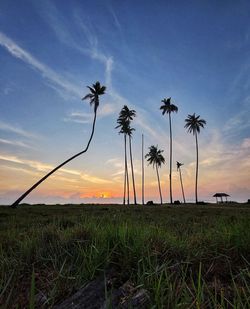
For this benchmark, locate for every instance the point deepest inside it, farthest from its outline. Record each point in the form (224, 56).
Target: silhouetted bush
(201, 203)
(177, 202)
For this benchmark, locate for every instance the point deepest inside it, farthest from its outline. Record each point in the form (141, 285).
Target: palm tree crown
(178, 164)
(155, 157)
(95, 91)
(126, 113)
(167, 107)
(194, 123)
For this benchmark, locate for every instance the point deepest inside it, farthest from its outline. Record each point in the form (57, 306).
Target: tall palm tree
(193, 125)
(95, 91)
(125, 117)
(179, 169)
(169, 108)
(130, 133)
(124, 126)
(155, 157)
(142, 168)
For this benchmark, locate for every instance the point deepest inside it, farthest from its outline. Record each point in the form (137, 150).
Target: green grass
(185, 257)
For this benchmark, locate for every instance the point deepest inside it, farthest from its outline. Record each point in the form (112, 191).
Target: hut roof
(220, 194)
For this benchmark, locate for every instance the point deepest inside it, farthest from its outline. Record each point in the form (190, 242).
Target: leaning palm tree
(124, 126)
(95, 91)
(169, 108)
(125, 117)
(179, 169)
(155, 157)
(193, 125)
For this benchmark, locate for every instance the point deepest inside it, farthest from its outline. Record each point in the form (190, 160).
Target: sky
(196, 52)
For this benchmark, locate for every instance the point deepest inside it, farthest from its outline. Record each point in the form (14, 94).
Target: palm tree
(169, 108)
(179, 169)
(156, 158)
(130, 133)
(193, 125)
(124, 128)
(142, 168)
(125, 117)
(95, 91)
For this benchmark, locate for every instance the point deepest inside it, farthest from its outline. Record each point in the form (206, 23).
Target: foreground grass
(185, 257)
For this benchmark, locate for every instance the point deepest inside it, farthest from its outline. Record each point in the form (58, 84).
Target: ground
(182, 256)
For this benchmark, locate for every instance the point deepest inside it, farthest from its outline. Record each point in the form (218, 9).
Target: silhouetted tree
(155, 157)
(193, 125)
(179, 169)
(130, 133)
(124, 126)
(169, 108)
(95, 91)
(142, 168)
(125, 117)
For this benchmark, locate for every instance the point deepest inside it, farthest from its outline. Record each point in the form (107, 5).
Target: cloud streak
(14, 143)
(17, 130)
(44, 167)
(50, 75)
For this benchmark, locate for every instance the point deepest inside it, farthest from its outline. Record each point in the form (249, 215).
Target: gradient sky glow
(197, 52)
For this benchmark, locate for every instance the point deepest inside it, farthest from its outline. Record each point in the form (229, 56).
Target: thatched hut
(221, 195)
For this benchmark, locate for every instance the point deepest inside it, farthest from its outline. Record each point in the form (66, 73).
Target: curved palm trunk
(184, 200)
(159, 184)
(170, 163)
(132, 169)
(15, 204)
(196, 176)
(142, 162)
(126, 169)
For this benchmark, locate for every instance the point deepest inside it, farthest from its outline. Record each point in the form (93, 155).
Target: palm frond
(87, 96)
(93, 91)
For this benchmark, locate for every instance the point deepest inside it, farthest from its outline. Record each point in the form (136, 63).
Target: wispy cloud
(44, 167)
(17, 130)
(50, 75)
(89, 45)
(14, 143)
(82, 117)
(61, 27)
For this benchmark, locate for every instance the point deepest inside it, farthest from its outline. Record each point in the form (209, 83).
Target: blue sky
(197, 52)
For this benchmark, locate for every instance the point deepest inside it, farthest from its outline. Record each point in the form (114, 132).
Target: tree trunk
(126, 168)
(184, 200)
(15, 204)
(170, 163)
(197, 165)
(125, 172)
(159, 184)
(132, 169)
(142, 152)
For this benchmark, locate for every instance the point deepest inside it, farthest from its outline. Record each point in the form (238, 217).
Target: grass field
(184, 256)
